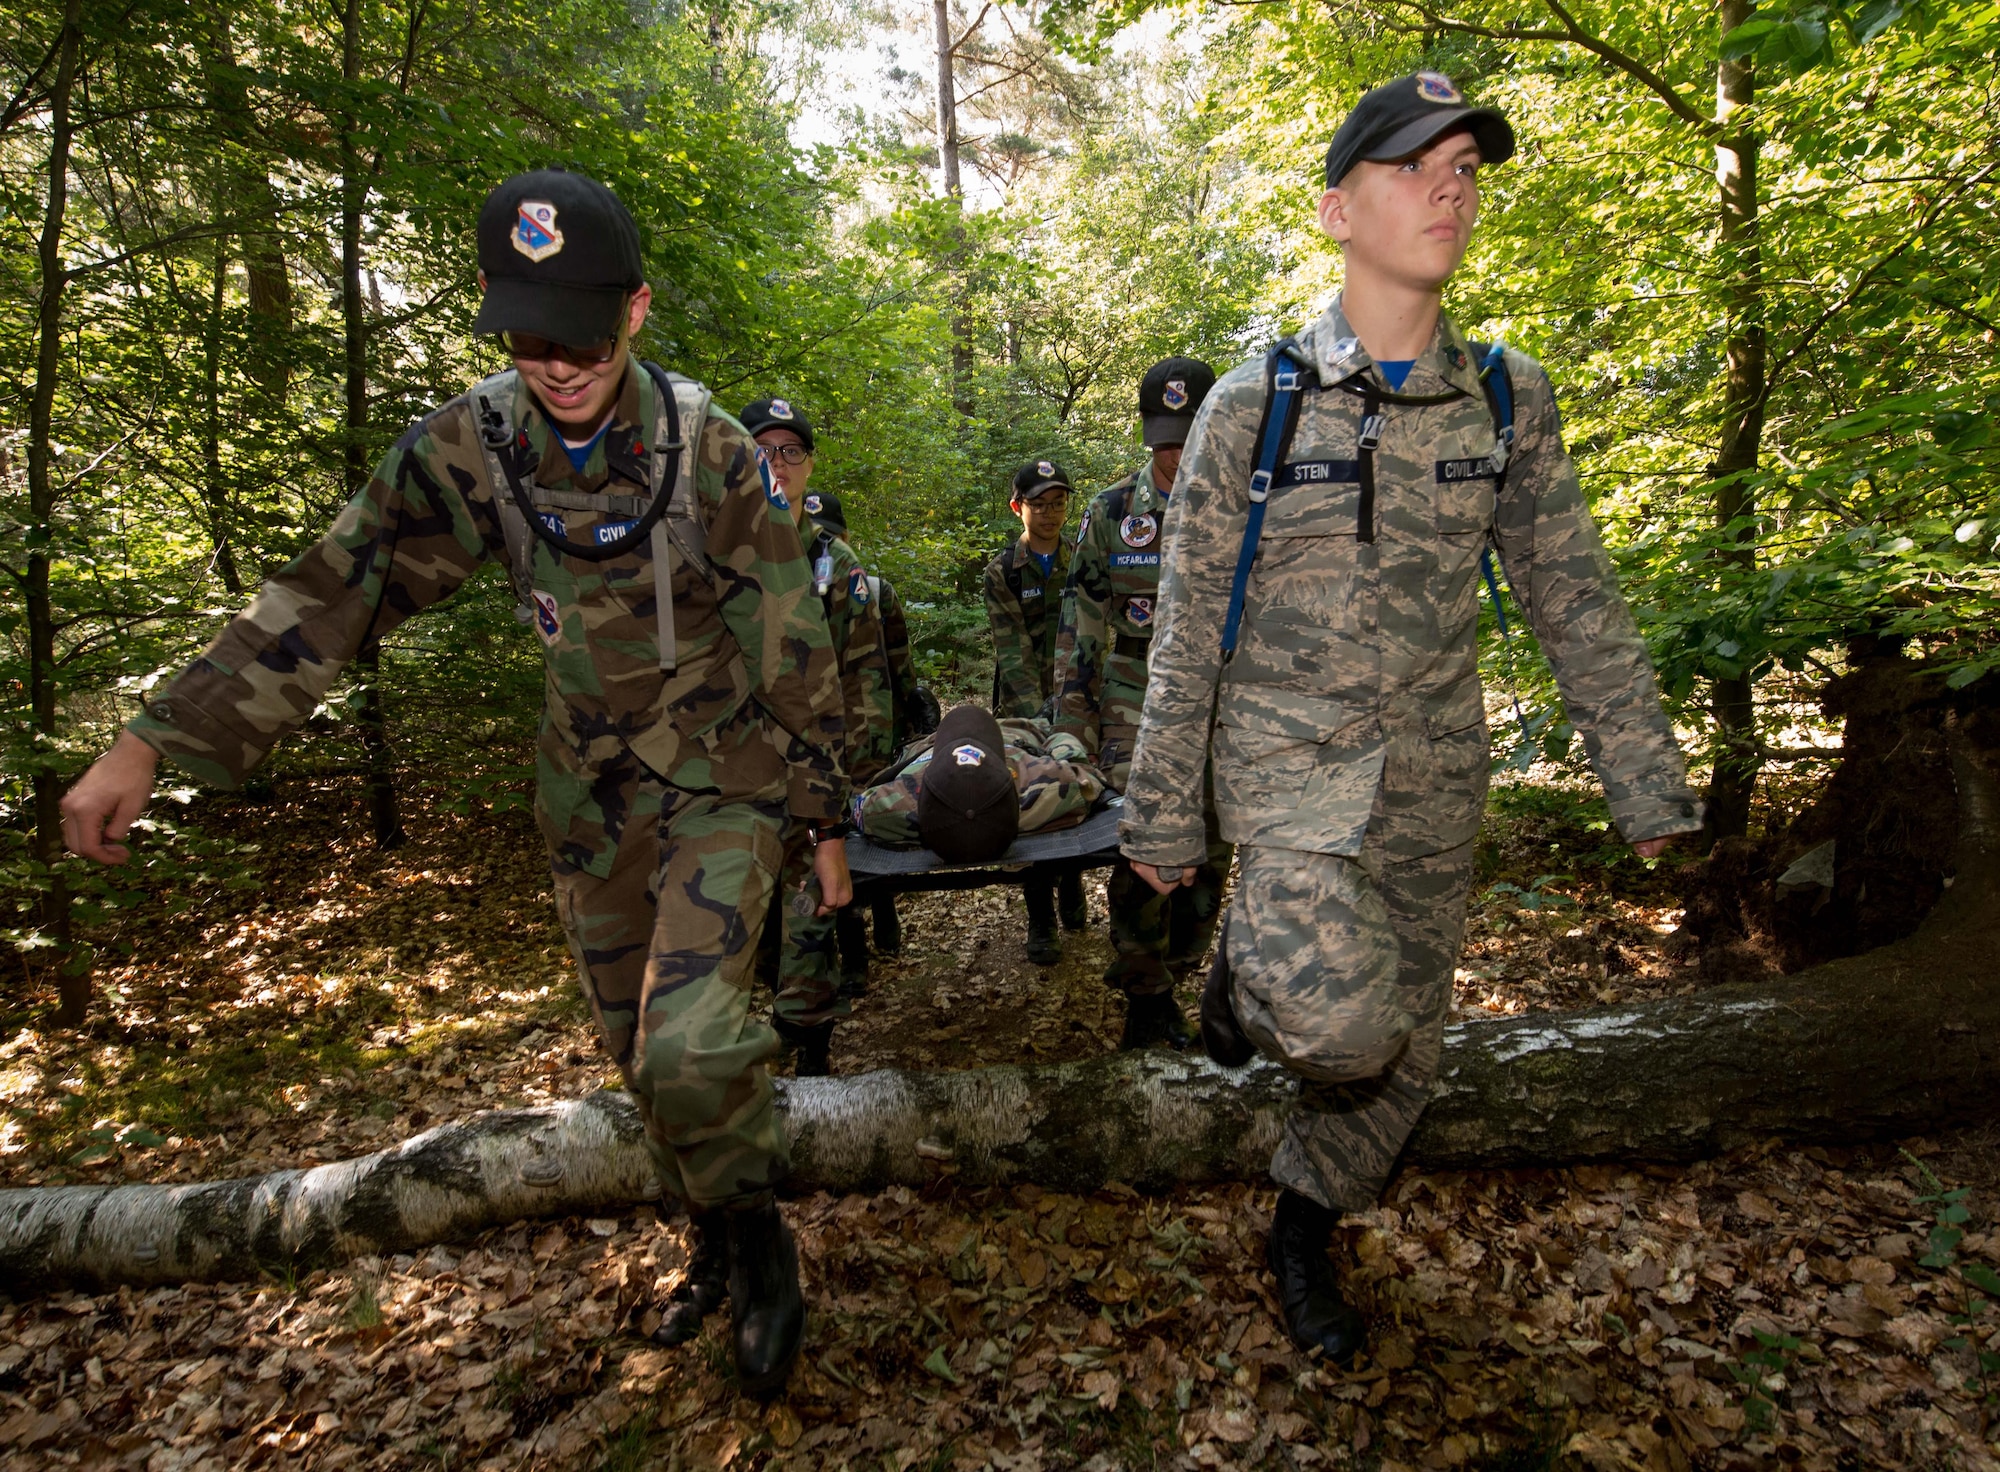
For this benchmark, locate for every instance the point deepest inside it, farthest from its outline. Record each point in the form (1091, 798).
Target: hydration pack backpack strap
(1286, 376)
(493, 415)
(676, 399)
(1498, 387)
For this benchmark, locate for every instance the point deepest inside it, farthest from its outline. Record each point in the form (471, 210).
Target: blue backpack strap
(1499, 390)
(1285, 379)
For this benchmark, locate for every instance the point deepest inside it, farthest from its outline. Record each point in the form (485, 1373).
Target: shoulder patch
(857, 586)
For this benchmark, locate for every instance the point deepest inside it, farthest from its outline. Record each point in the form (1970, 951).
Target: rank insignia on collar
(1457, 358)
(1139, 531)
(535, 234)
(1175, 394)
(1437, 87)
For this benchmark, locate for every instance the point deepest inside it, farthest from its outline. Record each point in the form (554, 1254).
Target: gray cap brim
(1164, 431)
(575, 316)
(1493, 134)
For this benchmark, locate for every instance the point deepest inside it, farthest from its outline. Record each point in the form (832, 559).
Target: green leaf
(1981, 1276)
(89, 1153)
(1745, 39)
(141, 1136)
(938, 1366)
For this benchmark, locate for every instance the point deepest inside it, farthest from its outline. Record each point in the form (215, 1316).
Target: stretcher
(1091, 844)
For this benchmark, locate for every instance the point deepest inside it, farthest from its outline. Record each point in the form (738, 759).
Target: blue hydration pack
(1288, 373)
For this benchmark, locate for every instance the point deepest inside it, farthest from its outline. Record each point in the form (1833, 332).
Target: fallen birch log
(1898, 1041)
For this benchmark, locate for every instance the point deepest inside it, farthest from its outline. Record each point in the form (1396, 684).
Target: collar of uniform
(1338, 354)
(1023, 553)
(615, 450)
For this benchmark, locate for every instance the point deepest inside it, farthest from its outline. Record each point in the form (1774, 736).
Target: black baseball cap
(824, 508)
(1038, 477)
(1169, 394)
(968, 809)
(560, 255)
(1400, 117)
(776, 414)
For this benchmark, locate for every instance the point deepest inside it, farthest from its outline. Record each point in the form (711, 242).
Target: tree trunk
(215, 489)
(954, 190)
(1902, 1040)
(383, 809)
(1737, 454)
(245, 192)
(72, 966)
(355, 174)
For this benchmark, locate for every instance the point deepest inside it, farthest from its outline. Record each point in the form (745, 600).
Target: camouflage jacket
(1110, 610)
(854, 618)
(752, 711)
(1018, 611)
(902, 666)
(1355, 680)
(1058, 785)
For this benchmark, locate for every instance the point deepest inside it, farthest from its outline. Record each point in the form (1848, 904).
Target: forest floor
(1778, 1307)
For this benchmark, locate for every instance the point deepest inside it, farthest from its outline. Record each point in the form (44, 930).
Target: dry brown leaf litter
(1590, 1318)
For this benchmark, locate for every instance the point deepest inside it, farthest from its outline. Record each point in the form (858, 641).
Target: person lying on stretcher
(968, 791)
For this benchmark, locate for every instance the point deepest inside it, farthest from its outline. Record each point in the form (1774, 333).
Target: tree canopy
(1754, 246)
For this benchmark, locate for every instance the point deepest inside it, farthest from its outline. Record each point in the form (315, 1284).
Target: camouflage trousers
(664, 942)
(1158, 939)
(1341, 969)
(799, 957)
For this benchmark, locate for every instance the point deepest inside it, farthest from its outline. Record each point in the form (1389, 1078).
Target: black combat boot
(1316, 1315)
(1071, 906)
(888, 927)
(1221, 1034)
(850, 933)
(766, 1307)
(1044, 949)
(701, 1291)
(812, 1047)
(1155, 1019)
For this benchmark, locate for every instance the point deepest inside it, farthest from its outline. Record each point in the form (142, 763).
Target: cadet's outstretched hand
(1151, 874)
(107, 798)
(836, 886)
(1652, 848)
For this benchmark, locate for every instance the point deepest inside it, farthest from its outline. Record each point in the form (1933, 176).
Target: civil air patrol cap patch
(535, 233)
(1175, 394)
(967, 756)
(1437, 87)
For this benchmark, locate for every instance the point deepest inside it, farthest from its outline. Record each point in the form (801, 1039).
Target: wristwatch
(817, 835)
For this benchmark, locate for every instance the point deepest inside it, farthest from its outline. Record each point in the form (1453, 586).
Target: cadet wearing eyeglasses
(679, 734)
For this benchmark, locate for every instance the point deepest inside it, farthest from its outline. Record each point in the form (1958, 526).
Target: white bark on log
(1901, 1040)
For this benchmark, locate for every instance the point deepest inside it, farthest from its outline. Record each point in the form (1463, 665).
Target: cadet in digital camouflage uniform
(677, 739)
(1023, 590)
(800, 959)
(1053, 778)
(1108, 617)
(1347, 735)
(916, 715)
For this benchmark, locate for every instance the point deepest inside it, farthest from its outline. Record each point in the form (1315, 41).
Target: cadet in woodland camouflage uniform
(1023, 587)
(916, 715)
(1057, 785)
(800, 959)
(1108, 617)
(1347, 735)
(679, 734)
